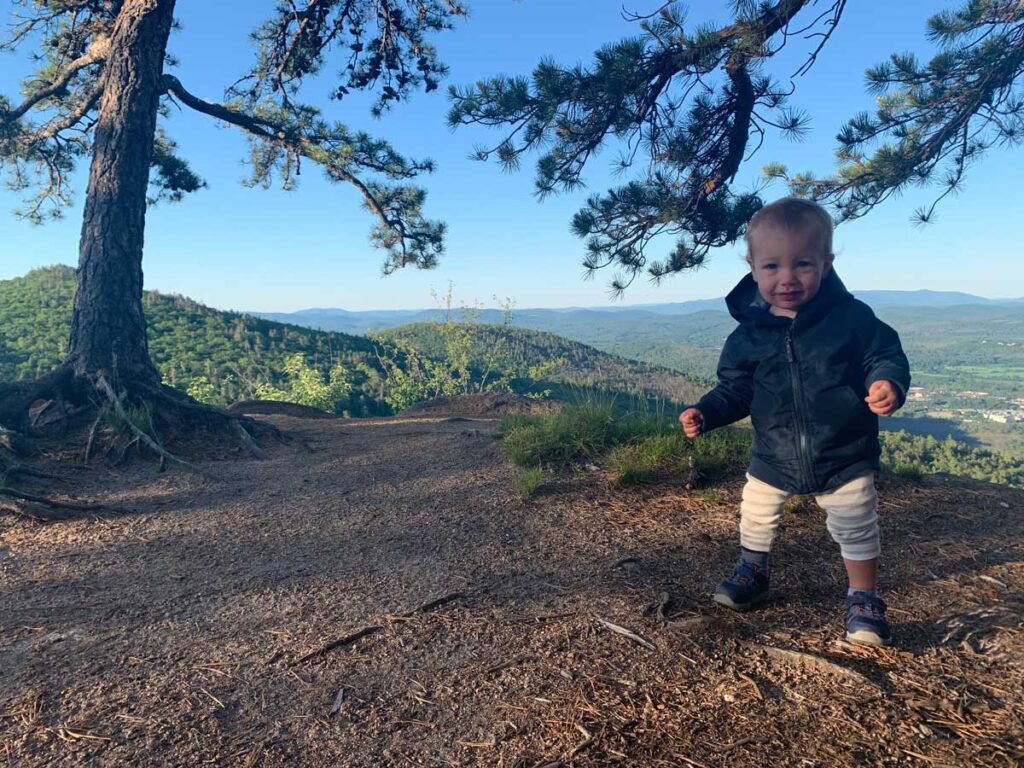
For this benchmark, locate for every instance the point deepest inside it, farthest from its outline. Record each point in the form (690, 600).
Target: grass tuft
(529, 481)
(640, 443)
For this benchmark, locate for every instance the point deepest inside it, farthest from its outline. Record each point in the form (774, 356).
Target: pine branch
(402, 230)
(96, 53)
(636, 92)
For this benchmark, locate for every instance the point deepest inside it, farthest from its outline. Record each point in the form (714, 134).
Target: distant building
(969, 393)
(916, 393)
(1003, 417)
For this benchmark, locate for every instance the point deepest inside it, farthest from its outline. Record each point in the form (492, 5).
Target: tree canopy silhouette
(102, 79)
(689, 105)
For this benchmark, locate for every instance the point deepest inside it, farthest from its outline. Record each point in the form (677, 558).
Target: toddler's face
(788, 267)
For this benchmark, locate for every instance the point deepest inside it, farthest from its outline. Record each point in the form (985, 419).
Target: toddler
(814, 369)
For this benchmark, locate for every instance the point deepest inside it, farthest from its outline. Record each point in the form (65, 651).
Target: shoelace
(743, 574)
(866, 610)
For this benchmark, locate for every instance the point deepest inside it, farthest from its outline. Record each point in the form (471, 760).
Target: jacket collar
(745, 302)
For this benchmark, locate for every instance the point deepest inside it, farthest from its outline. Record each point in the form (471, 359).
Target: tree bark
(108, 328)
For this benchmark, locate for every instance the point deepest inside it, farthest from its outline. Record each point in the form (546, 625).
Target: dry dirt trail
(384, 598)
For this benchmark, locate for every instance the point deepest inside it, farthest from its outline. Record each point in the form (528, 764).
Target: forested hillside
(235, 353)
(528, 354)
(238, 355)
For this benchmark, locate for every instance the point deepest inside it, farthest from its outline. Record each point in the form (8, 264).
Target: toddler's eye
(768, 266)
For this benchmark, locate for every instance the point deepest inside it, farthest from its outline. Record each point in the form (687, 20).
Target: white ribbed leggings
(852, 516)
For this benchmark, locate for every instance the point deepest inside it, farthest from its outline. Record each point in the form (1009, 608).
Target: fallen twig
(359, 634)
(629, 634)
(375, 628)
(449, 598)
(92, 431)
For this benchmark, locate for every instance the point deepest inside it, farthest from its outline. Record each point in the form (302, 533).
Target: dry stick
(755, 686)
(629, 634)
(339, 643)
(373, 629)
(153, 445)
(449, 598)
(92, 431)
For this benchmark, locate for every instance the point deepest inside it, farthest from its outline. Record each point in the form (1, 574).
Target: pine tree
(690, 105)
(102, 81)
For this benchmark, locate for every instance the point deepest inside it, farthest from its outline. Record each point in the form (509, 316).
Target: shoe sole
(865, 637)
(729, 603)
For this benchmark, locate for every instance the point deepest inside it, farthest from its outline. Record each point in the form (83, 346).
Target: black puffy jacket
(803, 383)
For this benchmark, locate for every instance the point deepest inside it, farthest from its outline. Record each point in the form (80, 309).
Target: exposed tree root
(64, 399)
(116, 412)
(150, 442)
(43, 501)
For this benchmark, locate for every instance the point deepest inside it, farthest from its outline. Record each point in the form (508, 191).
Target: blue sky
(238, 248)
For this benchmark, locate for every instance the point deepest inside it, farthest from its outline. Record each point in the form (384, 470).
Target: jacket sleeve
(730, 400)
(884, 358)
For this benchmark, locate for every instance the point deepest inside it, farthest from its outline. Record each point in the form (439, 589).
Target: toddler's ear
(827, 265)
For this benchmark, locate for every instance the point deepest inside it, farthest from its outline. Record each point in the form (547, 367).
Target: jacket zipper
(798, 399)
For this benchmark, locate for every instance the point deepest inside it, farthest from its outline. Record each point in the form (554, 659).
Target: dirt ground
(375, 593)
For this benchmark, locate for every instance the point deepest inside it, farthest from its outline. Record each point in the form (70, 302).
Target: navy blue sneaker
(865, 620)
(745, 589)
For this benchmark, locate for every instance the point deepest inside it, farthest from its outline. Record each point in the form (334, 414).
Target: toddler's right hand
(692, 421)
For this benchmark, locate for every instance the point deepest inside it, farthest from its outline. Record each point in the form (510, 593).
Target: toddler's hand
(692, 421)
(882, 398)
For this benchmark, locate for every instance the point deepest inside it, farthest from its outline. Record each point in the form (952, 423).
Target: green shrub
(906, 470)
(202, 390)
(913, 456)
(307, 386)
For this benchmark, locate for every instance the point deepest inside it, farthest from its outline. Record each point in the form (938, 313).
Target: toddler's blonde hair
(793, 214)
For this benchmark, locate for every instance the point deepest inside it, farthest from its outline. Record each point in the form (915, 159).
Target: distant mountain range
(555, 319)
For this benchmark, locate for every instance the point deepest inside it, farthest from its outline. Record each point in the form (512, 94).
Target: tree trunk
(108, 329)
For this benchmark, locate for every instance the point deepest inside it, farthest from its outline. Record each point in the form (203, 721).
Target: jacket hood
(745, 301)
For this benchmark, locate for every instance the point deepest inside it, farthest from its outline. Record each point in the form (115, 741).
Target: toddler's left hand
(882, 398)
